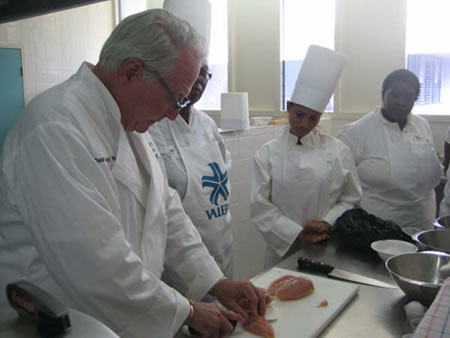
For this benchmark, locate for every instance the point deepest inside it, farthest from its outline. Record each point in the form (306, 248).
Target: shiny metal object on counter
(442, 222)
(311, 265)
(374, 312)
(438, 240)
(417, 273)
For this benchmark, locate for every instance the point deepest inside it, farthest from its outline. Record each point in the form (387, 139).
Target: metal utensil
(307, 264)
(442, 222)
(418, 274)
(438, 239)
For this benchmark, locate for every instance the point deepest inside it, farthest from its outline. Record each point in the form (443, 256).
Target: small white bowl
(390, 247)
(261, 120)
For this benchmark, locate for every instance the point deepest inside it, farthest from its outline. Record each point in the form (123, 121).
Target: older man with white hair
(85, 210)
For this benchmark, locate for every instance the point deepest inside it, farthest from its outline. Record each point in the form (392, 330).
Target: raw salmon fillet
(261, 328)
(290, 287)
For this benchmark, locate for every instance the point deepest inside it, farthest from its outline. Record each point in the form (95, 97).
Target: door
(11, 89)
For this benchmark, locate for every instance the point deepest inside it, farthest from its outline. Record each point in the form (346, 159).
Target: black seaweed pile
(358, 229)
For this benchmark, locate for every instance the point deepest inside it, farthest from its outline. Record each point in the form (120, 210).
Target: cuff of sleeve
(204, 282)
(333, 214)
(283, 250)
(183, 311)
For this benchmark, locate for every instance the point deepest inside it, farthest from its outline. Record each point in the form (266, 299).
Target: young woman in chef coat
(303, 180)
(395, 157)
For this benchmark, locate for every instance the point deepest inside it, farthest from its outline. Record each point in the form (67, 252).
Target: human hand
(241, 297)
(315, 231)
(211, 321)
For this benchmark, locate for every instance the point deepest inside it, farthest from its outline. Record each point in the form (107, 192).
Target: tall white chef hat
(318, 78)
(196, 12)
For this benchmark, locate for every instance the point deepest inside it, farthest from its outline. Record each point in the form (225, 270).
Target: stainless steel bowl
(417, 273)
(442, 222)
(434, 240)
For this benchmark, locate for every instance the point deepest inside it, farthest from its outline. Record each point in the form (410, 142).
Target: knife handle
(311, 265)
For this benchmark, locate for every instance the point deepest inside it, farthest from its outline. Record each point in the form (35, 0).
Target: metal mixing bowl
(442, 222)
(417, 273)
(434, 240)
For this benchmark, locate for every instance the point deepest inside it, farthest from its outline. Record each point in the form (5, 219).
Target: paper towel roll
(234, 111)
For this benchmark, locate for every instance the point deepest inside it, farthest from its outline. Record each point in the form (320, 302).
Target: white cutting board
(302, 318)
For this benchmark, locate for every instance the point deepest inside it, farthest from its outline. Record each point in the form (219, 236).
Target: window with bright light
(129, 7)
(428, 53)
(303, 23)
(218, 57)
(218, 49)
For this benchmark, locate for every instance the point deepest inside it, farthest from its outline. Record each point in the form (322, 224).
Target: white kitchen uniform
(398, 168)
(444, 207)
(197, 165)
(293, 184)
(86, 214)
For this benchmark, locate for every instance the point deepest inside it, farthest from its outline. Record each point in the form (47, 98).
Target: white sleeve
(69, 205)
(186, 254)
(444, 208)
(351, 190)
(278, 230)
(348, 136)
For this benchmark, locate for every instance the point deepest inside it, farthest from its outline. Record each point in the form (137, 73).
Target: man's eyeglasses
(204, 73)
(170, 94)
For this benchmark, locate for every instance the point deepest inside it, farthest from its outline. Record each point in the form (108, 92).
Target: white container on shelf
(260, 120)
(234, 111)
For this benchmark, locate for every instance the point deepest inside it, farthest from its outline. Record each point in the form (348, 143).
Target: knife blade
(307, 264)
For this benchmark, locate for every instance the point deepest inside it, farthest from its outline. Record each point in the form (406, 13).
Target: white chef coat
(188, 150)
(294, 184)
(398, 168)
(86, 214)
(444, 207)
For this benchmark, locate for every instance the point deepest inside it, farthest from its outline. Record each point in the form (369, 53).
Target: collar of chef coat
(386, 122)
(125, 168)
(309, 139)
(103, 94)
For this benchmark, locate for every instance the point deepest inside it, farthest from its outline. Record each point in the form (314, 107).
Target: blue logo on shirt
(218, 183)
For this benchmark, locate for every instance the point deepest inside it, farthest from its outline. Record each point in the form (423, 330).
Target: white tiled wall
(249, 246)
(54, 45)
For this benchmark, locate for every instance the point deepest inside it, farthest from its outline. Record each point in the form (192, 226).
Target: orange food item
(323, 303)
(291, 288)
(260, 327)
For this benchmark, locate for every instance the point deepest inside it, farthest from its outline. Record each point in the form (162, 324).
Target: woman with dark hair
(303, 179)
(395, 157)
